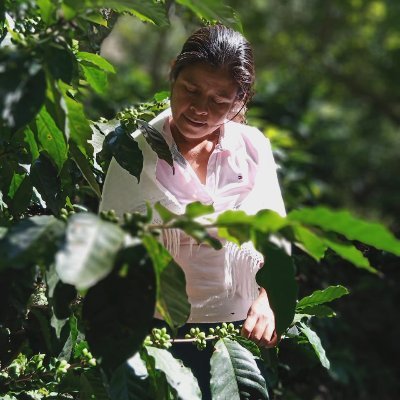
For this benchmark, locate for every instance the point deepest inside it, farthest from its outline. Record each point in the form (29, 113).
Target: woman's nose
(199, 107)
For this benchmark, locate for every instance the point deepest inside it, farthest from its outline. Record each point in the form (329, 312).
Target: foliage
(78, 290)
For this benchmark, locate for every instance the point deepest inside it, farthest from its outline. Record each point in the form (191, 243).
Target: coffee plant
(78, 289)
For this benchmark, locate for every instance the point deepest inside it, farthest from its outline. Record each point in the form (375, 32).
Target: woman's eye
(190, 89)
(219, 101)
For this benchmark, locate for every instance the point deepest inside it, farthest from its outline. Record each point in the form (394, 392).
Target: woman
(217, 160)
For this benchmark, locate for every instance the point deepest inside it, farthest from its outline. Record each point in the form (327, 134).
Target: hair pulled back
(220, 47)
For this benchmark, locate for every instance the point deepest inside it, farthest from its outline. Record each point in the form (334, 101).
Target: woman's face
(202, 99)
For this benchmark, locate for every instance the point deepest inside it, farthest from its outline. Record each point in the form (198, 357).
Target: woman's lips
(194, 122)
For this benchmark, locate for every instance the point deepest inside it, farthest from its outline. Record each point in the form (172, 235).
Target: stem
(191, 340)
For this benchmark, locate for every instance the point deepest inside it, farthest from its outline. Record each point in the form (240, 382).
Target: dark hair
(221, 47)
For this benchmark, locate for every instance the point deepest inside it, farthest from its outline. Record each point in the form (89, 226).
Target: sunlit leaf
(197, 209)
(95, 77)
(22, 196)
(179, 377)
(89, 251)
(95, 17)
(47, 11)
(309, 242)
(97, 60)
(320, 311)
(31, 142)
(153, 12)
(15, 184)
(322, 296)
(213, 10)
(352, 228)
(349, 252)
(315, 342)
(164, 213)
(51, 139)
(235, 374)
(237, 225)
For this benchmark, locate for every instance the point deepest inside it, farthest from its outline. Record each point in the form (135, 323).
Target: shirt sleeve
(266, 192)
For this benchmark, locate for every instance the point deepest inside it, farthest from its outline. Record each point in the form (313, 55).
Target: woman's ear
(237, 111)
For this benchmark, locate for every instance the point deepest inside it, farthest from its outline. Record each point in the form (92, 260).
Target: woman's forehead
(205, 75)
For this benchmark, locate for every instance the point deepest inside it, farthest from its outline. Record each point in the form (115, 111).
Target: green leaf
(94, 17)
(320, 311)
(89, 251)
(61, 62)
(15, 183)
(125, 150)
(149, 11)
(197, 231)
(97, 60)
(62, 298)
(278, 279)
(165, 214)
(309, 242)
(349, 252)
(237, 226)
(373, 234)
(235, 374)
(95, 77)
(47, 11)
(118, 311)
(322, 296)
(92, 386)
(30, 239)
(21, 196)
(162, 96)
(78, 126)
(20, 76)
(130, 381)
(84, 166)
(178, 376)
(197, 209)
(172, 300)
(316, 344)
(212, 11)
(52, 140)
(156, 141)
(45, 178)
(31, 142)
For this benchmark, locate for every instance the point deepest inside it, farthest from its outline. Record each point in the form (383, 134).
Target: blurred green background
(328, 97)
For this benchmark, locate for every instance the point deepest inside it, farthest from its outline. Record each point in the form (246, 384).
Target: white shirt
(241, 174)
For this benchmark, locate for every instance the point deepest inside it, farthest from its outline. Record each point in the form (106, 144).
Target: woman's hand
(259, 325)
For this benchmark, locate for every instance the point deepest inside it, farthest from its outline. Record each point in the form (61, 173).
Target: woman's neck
(197, 151)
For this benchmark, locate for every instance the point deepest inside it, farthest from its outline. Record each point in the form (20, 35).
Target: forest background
(328, 97)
